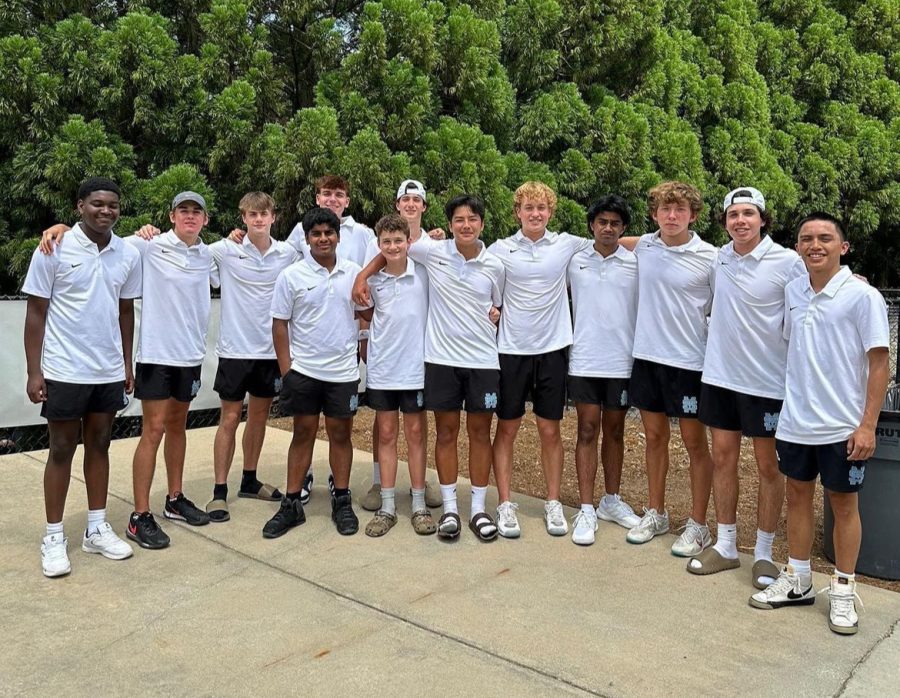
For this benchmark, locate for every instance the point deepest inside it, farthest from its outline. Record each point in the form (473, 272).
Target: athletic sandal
(764, 568)
(711, 561)
(380, 524)
(266, 492)
(422, 523)
(483, 526)
(218, 510)
(449, 525)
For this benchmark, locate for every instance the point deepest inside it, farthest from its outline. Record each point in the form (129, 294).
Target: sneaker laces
(648, 520)
(554, 512)
(782, 585)
(147, 521)
(692, 532)
(506, 513)
(582, 517)
(842, 604)
(619, 507)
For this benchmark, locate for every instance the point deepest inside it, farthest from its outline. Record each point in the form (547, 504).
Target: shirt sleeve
(297, 240)
(282, 307)
(133, 287)
(497, 287)
(419, 250)
(139, 244)
(371, 251)
(874, 329)
(786, 330)
(41, 274)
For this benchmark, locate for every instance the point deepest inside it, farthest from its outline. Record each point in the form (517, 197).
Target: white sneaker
(584, 525)
(617, 511)
(55, 556)
(651, 525)
(693, 541)
(105, 541)
(784, 591)
(842, 617)
(507, 521)
(554, 518)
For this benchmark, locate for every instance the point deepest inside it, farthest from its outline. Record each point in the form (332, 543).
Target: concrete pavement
(224, 612)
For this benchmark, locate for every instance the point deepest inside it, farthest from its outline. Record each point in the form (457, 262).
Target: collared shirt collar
(482, 251)
(172, 239)
(348, 221)
(247, 244)
(757, 253)
(319, 269)
(549, 236)
(693, 243)
(410, 269)
(77, 232)
(831, 288)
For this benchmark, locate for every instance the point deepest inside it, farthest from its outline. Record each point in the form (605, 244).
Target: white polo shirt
(322, 324)
(746, 350)
(675, 295)
(397, 334)
(604, 304)
(247, 278)
(535, 316)
(175, 306)
(459, 331)
(373, 250)
(355, 238)
(829, 334)
(82, 341)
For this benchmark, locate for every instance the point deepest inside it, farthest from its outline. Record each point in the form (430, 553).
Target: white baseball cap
(745, 195)
(411, 186)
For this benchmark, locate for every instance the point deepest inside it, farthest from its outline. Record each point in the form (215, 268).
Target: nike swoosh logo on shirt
(584, 267)
(793, 307)
(164, 250)
(511, 251)
(310, 288)
(443, 264)
(244, 256)
(77, 265)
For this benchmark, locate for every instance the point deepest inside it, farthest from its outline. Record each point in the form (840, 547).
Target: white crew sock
(54, 528)
(763, 549)
(448, 494)
(376, 473)
(388, 504)
(726, 540)
(851, 577)
(802, 569)
(478, 495)
(418, 499)
(588, 508)
(95, 518)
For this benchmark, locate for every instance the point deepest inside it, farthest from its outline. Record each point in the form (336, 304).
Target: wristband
(363, 334)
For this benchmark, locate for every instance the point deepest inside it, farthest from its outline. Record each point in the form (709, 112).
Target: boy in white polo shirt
(675, 293)
(395, 377)
(79, 327)
(535, 331)
(743, 377)
(315, 335)
(461, 365)
(247, 362)
(604, 284)
(838, 368)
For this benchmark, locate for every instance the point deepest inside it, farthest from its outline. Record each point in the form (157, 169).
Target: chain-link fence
(34, 437)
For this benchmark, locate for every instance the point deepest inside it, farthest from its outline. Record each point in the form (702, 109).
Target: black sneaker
(289, 514)
(343, 515)
(143, 530)
(183, 509)
(306, 490)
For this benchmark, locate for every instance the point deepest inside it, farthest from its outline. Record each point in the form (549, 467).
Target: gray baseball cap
(188, 196)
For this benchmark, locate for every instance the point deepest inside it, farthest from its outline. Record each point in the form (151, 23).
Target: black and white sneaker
(787, 590)
(289, 514)
(306, 490)
(143, 530)
(183, 509)
(343, 515)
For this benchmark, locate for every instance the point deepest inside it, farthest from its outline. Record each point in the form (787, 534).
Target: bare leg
(144, 462)
(586, 449)
(255, 430)
(175, 445)
(551, 454)
(726, 450)
(504, 444)
(800, 520)
(847, 533)
(388, 426)
(57, 473)
(478, 427)
(446, 457)
(414, 429)
(656, 430)
(693, 434)
(612, 449)
(97, 435)
(340, 450)
(771, 485)
(223, 446)
(300, 451)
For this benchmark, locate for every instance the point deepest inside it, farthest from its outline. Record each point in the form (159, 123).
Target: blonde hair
(674, 192)
(256, 201)
(535, 191)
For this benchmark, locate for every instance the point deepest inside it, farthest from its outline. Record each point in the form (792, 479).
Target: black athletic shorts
(540, 378)
(829, 462)
(304, 395)
(753, 416)
(75, 400)
(609, 393)
(450, 388)
(660, 388)
(407, 401)
(159, 382)
(237, 377)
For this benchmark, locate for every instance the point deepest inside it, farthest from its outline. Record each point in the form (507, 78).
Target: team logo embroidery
(277, 385)
(857, 474)
(354, 402)
(490, 400)
(689, 405)
(420, 398)
(623, 398)
(195, 388)
(770, 420)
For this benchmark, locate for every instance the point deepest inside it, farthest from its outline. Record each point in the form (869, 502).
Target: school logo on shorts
(689, 405)
(195, 388)
(490, 400)
(770, 420)
(277, 385)
(857, 473)
(354, 402)
(623, 398)
(420, 398)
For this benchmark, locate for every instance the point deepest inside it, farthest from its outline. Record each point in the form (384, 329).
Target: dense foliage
(800, 98)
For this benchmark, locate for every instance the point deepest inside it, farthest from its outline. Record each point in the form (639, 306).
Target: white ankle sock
(763, 549)
(478, 495)
(588, 508)
(376, 473)
(802, 569)
(54, 528)
(448, 494)
(726, 540)
(851, 577)
(387, 500)
(95, 518)
(611, 499)
(418, 499)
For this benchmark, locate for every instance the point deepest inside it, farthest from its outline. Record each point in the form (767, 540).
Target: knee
(229, 421)
(479, 433)
(548, 432)
(387, 433)
(339, 434)
(414, 433)
(153, 431)
(696, 446)
(99, 442)
(843, 504)
(769, 472)
(447, 436)
(588, 432)
(657, 438)
(62, 447)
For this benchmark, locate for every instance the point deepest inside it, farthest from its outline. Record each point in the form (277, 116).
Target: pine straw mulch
(528, 478)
